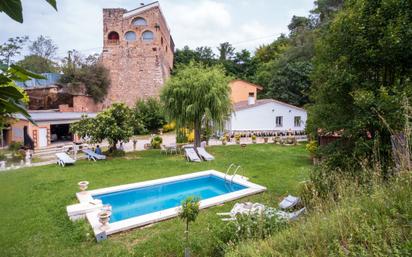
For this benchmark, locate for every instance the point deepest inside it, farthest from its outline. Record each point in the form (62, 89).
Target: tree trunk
(198, 128)
(187, 249)
(113, 147)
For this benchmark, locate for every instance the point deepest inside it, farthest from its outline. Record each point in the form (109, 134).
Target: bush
(17, 156)
(247, 227)
(169, 127)
(181, 136)
(372, 221)
(312, 147)
(14, 146)
(156, 142)
(2, 156)
(115, 153)
(93, 77)
(185, 135)
(150, 113)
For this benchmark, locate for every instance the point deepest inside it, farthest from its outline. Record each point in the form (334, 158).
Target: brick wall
(83, 103)
(138, 69)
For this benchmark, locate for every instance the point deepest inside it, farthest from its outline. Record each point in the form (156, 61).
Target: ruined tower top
(138, 51)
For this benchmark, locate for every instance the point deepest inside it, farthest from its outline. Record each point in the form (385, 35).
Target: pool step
(79, 211)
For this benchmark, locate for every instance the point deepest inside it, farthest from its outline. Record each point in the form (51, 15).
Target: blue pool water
(135, 202)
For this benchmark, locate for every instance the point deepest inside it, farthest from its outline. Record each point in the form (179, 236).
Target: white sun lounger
(289, 202)
(64, 159)
(191, 155)
(205, 155)
(257, 208)
(290, 215)
(243, 208)
(93, 156)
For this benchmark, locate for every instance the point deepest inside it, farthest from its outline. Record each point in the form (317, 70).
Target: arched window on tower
(113, 37)
(147, 36)
(130, 36)
(139, 21)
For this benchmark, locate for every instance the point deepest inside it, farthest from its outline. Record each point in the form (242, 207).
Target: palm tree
(197, 94)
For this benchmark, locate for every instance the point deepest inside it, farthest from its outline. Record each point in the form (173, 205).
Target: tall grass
(376, 221)
(360, 213)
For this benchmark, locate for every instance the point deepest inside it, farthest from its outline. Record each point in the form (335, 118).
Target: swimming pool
(139, 201)
(143, 203)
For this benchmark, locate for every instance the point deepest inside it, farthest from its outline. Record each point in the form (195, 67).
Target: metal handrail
(234, 174)
(228, 169)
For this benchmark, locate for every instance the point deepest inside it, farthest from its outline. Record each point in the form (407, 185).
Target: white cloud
(78, 23)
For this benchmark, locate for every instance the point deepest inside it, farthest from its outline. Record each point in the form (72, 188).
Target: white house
(266, 115)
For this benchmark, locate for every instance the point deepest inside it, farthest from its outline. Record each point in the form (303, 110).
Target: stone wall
(138, 69)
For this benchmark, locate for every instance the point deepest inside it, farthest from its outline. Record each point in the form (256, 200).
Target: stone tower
(138, 51)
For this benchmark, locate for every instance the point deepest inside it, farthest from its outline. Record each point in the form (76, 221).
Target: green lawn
(33, 219)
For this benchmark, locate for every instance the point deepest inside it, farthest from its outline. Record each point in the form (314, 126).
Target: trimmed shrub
(156, 142)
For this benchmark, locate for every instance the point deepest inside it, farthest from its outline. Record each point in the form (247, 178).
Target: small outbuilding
(265, 115)
(51, 127)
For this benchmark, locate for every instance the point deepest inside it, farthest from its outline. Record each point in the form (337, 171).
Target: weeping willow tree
(197, 94)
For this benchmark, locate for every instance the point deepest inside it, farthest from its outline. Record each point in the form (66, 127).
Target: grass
(33, 201)
(368, 222)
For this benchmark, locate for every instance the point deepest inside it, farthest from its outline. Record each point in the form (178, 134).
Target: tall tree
(43, 47)
(362, 73)
(10, 49)
(11, 97)
(37, 64)
(197, 94)
(326, 9)
(205, 55)
(114, 124)
(290, 82)
(88, 74)
(226, 51)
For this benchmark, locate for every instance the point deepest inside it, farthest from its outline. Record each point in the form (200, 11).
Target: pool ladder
(234, 173)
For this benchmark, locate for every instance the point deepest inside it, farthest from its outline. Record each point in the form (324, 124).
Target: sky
(78, 23)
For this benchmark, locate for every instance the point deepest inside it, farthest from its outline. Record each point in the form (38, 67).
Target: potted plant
(254, 139)
(156, 142)
(289, 140)
(104, 218)
(266, 139)
(224, 140)
(83, 185)
(237, 138)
